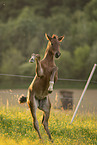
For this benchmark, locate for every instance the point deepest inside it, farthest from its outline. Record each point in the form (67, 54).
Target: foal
(42, 84)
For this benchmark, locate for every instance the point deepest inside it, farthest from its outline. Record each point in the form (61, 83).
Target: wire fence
(14, 92)
(9, 97)
(59, 79)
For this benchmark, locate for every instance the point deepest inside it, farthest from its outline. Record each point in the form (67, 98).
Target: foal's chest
(47, 68)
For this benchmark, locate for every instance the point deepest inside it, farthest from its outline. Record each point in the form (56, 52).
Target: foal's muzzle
(57, 54)
(32, 59)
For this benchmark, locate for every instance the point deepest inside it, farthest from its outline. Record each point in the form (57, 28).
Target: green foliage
(91, 10)
(81, 55)
(27, 68)
(64, 64)
(23, 25)
(11, 60)
(93, 52)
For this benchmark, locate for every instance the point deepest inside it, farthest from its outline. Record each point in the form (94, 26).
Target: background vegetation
(24, 23)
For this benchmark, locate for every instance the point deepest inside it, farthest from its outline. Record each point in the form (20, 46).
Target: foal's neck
(49, 57)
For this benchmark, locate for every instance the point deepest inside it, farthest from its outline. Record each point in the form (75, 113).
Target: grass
(16, 128)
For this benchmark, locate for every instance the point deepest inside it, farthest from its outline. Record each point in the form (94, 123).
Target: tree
(27, 69)
(24, 23)
(11, 59)
(93, 58)
(80, 62)
(64, 64)
(91, 10)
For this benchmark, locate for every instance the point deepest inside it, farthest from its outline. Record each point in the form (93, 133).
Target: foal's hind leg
(45, 106)
(33, 105)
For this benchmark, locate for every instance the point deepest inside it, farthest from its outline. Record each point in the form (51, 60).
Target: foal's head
(54, 42)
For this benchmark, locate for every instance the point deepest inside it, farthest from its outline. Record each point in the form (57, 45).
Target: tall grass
(16, 128)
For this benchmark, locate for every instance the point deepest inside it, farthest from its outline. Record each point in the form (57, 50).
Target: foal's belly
(41, 96)
(40, 87)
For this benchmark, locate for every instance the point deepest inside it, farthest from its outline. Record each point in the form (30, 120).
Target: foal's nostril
(57, 54)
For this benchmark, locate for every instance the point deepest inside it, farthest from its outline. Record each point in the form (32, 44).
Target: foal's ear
(61, 38)
(48, 37)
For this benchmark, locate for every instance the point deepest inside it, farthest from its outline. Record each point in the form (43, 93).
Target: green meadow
(16, 128)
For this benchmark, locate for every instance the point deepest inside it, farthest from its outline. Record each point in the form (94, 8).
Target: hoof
(52, 141)
(49, 91)
(32, 59)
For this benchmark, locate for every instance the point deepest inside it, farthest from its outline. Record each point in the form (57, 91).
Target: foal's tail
(22, 99)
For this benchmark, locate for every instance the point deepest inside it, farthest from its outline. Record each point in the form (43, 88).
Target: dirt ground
(88, 104)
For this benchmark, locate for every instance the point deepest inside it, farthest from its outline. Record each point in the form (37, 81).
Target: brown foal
(42, 84)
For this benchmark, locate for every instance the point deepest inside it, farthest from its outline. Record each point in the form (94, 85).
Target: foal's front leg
(39, 69)
(53, 79)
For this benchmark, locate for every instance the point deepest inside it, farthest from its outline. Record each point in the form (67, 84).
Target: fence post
(86, 86)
